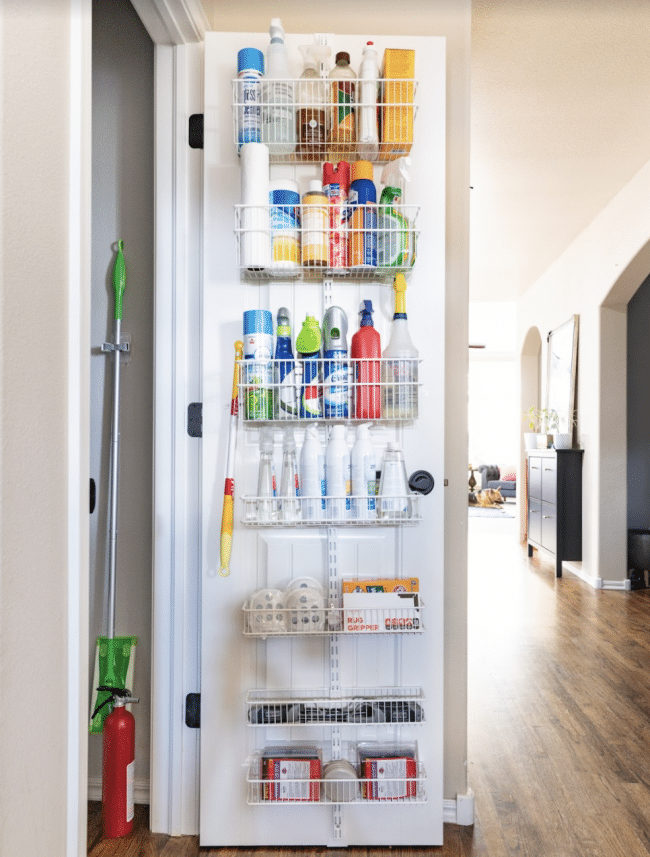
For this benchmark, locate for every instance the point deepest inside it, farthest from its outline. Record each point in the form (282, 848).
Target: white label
(130, 780)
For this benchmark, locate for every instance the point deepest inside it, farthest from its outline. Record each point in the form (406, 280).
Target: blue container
(250, 68)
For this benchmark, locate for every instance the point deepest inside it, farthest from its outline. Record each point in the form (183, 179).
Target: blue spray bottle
(335, 364)
(284, 369)
(308, 344)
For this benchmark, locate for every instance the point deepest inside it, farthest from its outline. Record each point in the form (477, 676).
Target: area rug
(480, 512)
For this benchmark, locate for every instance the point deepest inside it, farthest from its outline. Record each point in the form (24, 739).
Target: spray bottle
(278, 121)
(312, 476)
(312, 104)
(266, 486)
(368, 131)
(286, 405)
(399, 371)
(308, 344)
(335, 364)
(366, 351)
(396, 240)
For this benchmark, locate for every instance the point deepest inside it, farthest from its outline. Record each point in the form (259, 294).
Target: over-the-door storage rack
(333, 689)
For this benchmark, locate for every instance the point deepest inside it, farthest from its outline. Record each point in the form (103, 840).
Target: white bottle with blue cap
(250, 68)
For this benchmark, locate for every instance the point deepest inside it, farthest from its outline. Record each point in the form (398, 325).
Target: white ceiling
(560, 122)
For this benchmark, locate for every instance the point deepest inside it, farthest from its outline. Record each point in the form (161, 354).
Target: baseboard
(596, 582)
(459, 811)
(140, 790)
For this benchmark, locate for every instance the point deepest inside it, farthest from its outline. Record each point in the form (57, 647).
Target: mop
(115, 656)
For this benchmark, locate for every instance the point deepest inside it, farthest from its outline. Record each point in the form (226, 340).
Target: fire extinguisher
(118, 759)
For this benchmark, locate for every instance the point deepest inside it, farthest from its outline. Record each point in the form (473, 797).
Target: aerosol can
(335, 364)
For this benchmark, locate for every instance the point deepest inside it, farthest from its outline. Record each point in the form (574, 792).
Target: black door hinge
(195, 131)
(195, 419)
(193, 710)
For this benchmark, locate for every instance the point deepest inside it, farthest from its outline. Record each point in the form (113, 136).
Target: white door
(244, 674)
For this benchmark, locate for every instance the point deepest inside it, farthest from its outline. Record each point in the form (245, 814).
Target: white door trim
(172, 22)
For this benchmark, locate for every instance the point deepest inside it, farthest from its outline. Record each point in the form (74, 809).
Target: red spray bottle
(366, 346)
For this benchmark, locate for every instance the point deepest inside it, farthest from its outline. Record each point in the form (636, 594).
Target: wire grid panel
(372, 241)
(377, 705)
(341, 388)
(297, 119)
(306, 791)
(273, 618)
(323, 511)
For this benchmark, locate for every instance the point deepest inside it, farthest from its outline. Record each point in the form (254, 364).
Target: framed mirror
(562, 374)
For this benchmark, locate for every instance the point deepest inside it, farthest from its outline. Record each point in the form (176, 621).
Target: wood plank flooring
(559, 720)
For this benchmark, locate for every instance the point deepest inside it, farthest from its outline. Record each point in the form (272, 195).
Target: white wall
(595, 278)
(43, 424)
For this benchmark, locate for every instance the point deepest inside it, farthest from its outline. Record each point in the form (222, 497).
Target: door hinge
(193, 710)
(195, 131)
(195, 419)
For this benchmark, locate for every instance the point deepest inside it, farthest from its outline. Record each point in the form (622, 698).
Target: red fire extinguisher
(118, 765)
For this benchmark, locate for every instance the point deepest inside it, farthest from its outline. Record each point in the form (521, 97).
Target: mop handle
(229, 489)
(119, 285)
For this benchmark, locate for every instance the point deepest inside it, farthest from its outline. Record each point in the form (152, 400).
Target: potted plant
(564, 439)
(538, 420)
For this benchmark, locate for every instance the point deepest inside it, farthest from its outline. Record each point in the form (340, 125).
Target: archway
(530, 364)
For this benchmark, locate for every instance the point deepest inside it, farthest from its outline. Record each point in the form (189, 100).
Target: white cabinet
(334, 688)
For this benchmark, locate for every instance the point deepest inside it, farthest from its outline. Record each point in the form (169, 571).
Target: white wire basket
(341, 389)
(321, 706)
(295, 118)
(323, 511)
(325, 241)
(277, 620)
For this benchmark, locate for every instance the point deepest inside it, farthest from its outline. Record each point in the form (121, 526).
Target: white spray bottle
(337, 475)
(368, 130)
(278, 109)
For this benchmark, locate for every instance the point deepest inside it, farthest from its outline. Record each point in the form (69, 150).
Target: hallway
(559, 698)
(559, 734)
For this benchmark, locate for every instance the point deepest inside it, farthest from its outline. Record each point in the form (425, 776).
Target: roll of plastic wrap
(254, 238)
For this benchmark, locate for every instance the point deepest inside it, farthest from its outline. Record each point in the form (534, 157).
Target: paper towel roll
(254, 239)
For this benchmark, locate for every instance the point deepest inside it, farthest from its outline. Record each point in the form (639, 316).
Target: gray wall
(638, 397)
(123, 207)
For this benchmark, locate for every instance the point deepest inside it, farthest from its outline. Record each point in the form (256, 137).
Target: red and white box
(291, 779)
(389, 778)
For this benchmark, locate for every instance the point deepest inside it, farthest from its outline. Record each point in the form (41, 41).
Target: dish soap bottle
(308, 344)
(312, 101)
(399, 370)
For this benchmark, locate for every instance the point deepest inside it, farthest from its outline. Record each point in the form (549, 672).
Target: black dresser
(555, 503)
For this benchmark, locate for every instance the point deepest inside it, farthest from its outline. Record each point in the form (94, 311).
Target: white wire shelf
(276, 620)
(295, 118)
(341, 389)
(307, 791)
(306, 241)
(357, 705)
(323, 511)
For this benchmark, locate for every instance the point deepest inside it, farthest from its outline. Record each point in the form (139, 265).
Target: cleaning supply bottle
(250, 68)
(266, 486)
(289, 485)
(363, 469)
(314, 223)
(257, 371)
(342, 130)
(399, 369)
(362, 230)
(337, 475)
(311, 119)
(368, 130)
(394, 501)
(336, 184)
(312, 476)
(335, 364)
(396, 237)
(308, 344)
(366, 351)
(278, 110)
(284, 369)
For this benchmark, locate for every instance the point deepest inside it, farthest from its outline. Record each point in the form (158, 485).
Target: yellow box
(382, 584)
(398, 88)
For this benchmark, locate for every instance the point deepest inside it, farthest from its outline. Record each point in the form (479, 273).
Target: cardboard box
(398, 88)
(292, 779)
(390, 778)
(382, 584)
(380, 612)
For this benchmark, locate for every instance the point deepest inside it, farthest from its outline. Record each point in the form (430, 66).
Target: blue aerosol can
(335, 364)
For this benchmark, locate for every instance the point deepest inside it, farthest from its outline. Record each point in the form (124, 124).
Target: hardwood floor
(559, 727)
